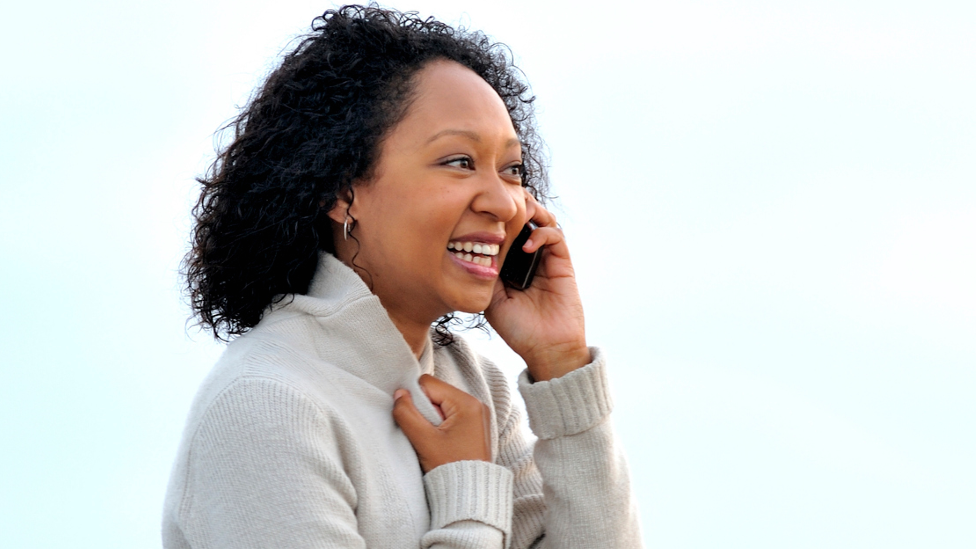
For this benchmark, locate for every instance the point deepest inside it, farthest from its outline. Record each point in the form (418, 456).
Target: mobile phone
(519, 267)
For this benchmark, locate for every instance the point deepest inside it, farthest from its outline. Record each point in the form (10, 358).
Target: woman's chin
(472, 305)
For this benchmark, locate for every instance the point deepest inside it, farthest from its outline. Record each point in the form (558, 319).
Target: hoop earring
(347, 227)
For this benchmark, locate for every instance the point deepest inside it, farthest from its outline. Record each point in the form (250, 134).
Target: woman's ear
(341, 208)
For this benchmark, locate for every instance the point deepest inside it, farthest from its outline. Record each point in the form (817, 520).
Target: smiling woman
(450, 172)
(372, 187)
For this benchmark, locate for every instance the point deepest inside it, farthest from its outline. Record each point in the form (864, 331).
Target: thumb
(406, 415)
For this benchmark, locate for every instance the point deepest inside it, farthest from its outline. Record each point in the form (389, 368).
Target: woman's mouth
(479, 253)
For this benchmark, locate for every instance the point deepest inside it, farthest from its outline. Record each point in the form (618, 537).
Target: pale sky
(771, 208)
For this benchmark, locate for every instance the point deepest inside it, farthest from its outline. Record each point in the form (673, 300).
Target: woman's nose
(497, 198)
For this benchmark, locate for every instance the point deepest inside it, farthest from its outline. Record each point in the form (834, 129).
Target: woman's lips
(477, 253)
(482, 237)
(481, 266)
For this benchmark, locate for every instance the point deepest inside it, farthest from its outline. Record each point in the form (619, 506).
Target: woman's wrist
(555, 362)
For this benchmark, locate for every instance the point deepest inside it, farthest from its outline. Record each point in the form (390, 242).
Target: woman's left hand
(544, 323)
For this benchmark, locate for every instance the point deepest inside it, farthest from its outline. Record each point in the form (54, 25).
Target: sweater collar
(357, 335)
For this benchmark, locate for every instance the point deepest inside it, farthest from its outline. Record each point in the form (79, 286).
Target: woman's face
(448, 178)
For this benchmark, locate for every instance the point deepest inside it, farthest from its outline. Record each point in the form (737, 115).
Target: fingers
(408, 417)
(536, 212)
(548, 232)
(463, 435)
(531, 204)
(447, 397)
(552, 238)
(437, 391)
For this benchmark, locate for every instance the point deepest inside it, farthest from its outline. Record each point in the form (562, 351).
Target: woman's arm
(588, 497)
(571, 491)
(586, 480)
(261, 472)
(470, 497)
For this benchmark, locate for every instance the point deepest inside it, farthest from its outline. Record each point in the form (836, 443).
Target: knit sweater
(291, 443)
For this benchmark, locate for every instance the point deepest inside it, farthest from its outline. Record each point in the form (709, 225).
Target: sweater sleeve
(586, 486)
(261, 475)
(470, 506)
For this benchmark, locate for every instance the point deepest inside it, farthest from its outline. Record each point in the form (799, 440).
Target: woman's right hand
(543, 324)
(463, 435)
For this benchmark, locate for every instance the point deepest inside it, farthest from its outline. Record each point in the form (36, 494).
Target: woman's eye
(515, 170)
(463, 162)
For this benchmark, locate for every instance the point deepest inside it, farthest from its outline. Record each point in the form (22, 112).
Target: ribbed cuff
(570, 404)
(470, 490)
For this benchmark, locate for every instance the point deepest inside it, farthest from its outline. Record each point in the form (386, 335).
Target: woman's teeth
(477, 253)
(475, 247)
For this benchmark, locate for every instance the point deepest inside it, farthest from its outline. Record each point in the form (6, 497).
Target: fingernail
(527, 244)
(398, 394)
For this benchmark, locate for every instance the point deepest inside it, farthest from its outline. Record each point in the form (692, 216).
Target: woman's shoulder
(260, 366)
(252, 356)
(250, 370)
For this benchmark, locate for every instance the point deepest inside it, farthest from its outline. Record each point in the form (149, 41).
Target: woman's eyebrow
(473, 136)
(464, 133)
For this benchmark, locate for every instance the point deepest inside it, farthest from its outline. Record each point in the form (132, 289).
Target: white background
(772, 210)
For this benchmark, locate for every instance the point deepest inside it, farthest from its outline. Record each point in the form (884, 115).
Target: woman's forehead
(450, 98)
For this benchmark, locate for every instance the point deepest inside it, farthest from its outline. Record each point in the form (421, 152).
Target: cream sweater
(291, 443)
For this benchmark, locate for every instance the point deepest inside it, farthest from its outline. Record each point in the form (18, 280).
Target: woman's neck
(405, 316)
(414, 333)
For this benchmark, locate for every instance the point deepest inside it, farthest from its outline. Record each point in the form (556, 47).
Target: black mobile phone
(519, 267)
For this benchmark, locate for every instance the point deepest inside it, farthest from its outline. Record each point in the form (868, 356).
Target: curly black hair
(311, 131)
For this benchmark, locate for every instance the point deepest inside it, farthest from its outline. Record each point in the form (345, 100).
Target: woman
(343, 221)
